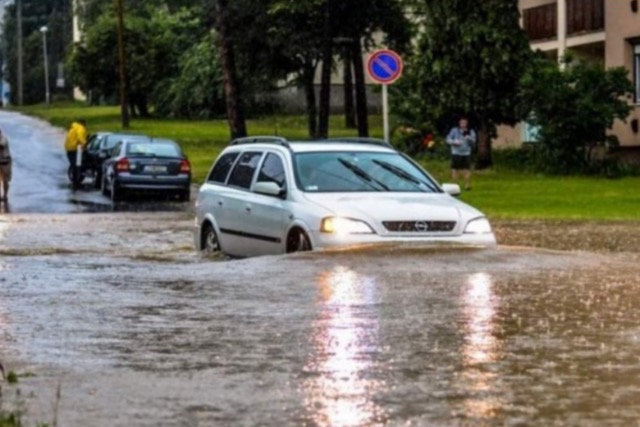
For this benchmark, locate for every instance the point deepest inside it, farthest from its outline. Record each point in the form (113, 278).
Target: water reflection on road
(142, 331)
(344, 344)
(481, 348)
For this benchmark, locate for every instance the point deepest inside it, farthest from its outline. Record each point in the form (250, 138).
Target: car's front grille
(419, 226)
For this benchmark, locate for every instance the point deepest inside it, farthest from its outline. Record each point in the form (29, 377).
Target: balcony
(583, 16)
(541, 23)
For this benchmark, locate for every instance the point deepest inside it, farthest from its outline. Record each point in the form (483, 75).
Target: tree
(197, 90)
(360, 21)
(470, 60)
(235, 107)
(55, 14)
(154, 46)
(573, 109)
(305, 31)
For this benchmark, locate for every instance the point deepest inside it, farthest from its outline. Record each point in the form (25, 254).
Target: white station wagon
(265, 195)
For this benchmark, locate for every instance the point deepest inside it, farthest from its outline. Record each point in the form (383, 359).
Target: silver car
(266, 195)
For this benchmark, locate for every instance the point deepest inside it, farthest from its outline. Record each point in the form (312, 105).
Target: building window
(530, 133)
(636, 70)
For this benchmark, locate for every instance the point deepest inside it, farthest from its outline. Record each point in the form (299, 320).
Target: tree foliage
(306, 30)
(197, 90)
(154, 47)
(469, 60)
(573, 109)
(55, 14)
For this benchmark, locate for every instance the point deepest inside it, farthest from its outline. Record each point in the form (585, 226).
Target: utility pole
(44, 31)
(124, 98)
(20, 72)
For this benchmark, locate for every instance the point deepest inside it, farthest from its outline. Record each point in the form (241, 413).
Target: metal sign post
(385, 112)
(385, 67)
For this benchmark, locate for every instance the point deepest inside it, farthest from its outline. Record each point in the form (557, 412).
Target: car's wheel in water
(97, 180)
(298, 241)
(209, 241)
(105, 187)
(116, 192)
(184, 196)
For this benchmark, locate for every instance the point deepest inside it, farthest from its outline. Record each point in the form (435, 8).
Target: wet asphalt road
(139, 330)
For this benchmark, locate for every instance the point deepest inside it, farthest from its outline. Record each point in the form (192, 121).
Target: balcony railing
(541, 22)
(585, 16)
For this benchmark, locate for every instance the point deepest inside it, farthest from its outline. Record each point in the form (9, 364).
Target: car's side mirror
(452, 189)
(269, 189)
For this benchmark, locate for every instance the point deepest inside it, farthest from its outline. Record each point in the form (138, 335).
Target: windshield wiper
(360, 173)
(401, 173)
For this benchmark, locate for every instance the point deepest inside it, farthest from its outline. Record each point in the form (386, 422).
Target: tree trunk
(122, 68)
(235, 108)
(143, 106)
(349, 101)
(361, 91)
(484, 159)
(325, 89)
(308, 78)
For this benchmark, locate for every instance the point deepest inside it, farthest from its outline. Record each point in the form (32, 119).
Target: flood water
(141, 331)
(117, 311)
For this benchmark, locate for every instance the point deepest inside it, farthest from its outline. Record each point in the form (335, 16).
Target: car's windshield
(153, 149)
(328, 172)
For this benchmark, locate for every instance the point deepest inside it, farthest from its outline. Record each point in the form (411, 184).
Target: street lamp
(44, 31)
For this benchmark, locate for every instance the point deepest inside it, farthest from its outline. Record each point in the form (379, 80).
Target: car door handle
(247, 208)
(220, 203)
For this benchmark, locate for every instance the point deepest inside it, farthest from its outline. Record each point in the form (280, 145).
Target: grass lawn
(501, 193)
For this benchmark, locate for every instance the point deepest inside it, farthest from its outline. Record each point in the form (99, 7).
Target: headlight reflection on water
(344, 344)
(481, 347)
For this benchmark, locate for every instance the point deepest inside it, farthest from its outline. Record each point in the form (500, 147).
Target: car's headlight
(478, 226)
(337, 225)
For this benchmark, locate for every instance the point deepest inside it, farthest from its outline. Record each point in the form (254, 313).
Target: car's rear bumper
(154, 183)
(329, 241)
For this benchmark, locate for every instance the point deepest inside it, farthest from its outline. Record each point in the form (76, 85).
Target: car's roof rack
(261, 140)
(362, 140)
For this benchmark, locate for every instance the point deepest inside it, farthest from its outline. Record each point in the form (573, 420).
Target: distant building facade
(606, 31)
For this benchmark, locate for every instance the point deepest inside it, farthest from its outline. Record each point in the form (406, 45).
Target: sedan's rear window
(110, 141)
(153, 150)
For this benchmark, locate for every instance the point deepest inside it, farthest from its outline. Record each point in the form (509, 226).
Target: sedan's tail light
(185, 166)
(123, 165)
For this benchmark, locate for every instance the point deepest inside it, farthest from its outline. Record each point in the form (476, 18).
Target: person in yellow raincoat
(76, 137)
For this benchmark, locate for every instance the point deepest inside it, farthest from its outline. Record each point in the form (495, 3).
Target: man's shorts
(460, 163)
(5, 172)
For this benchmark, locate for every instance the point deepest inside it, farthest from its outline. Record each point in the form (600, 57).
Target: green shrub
(573, 109)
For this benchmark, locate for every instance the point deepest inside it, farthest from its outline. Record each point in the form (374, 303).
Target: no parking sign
(385, 67)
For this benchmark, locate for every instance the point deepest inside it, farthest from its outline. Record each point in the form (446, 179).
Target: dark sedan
(99, 148)
(151, 165)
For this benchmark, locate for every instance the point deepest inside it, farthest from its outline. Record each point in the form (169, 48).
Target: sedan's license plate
(155, 169)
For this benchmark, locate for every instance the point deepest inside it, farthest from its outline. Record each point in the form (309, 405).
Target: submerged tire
(117, 194)
(209, 244)
(298, 241)
(184, 196)
(105, 189)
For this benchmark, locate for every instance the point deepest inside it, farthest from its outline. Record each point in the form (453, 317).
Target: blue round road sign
(385, 66)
